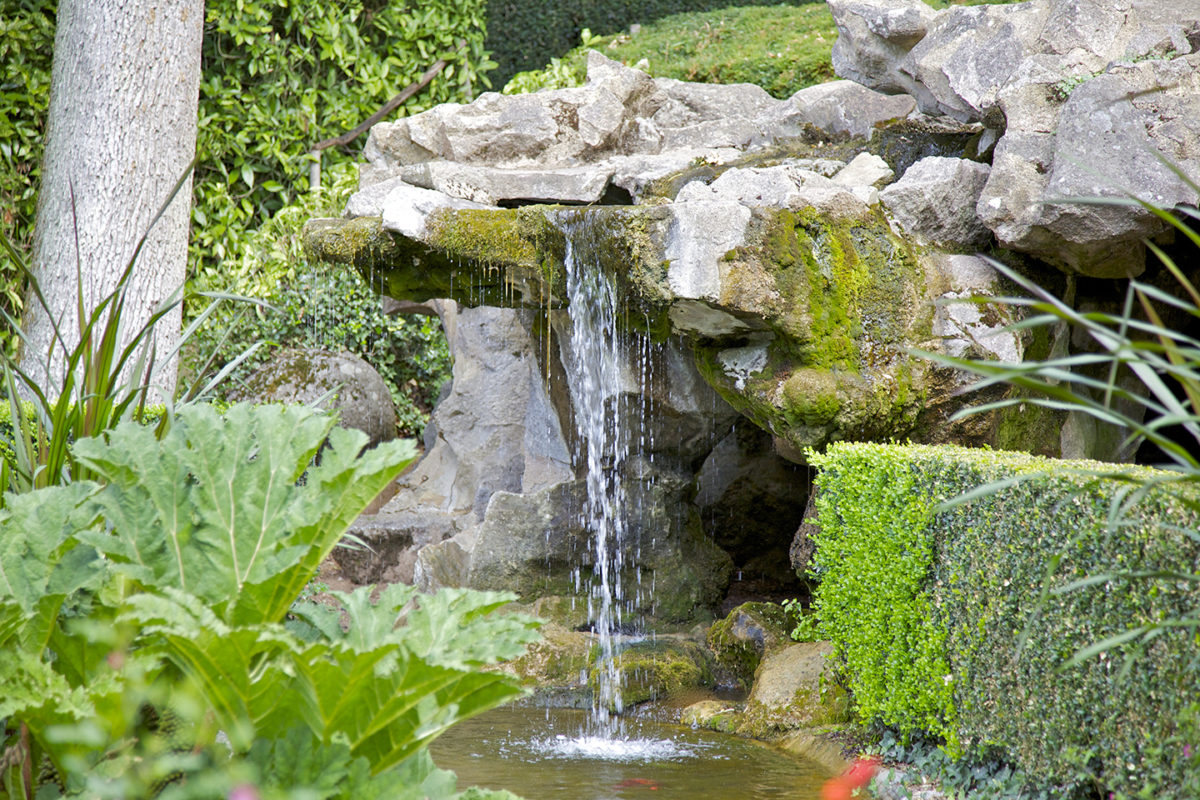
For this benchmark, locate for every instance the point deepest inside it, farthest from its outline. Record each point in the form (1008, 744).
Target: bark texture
(121, 131)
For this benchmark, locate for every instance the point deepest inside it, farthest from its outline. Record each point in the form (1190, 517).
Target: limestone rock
(839, 110)
(351, 386)
(935, 202)
(874, 36)
(746, 635)
(660, 668)
(492, 186)
(793, 689)
(1106, 144)
(407, 208)
(717, 715)
(1087, 95)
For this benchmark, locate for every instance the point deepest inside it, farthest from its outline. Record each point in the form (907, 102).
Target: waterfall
(598, 352)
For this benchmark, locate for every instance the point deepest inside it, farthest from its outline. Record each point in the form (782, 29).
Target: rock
(492, 186)
(750, 501)
(659, 668)
(935, 202)
(1106, 145)
(351, 387)
(395, 539)
(792, 690)
(839, 110)
(749, 633)
(866, 169)
(873, 38)
(968, 329)
(556, 667)
(804, 543)
(368, 201)
(716, 715)
(407, 208)
(817, 746)
(700, 235)
(1088, 95)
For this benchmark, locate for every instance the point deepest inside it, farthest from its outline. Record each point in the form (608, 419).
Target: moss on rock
(749, 632)
(663, 667)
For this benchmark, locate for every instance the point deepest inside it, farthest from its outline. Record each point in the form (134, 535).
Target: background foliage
(316, 306)
(780, 48)
(1024, 596)
(522, 34)
(278, 76)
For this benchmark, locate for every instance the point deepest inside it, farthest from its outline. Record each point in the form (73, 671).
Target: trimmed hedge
(525, 35)
(942, 624)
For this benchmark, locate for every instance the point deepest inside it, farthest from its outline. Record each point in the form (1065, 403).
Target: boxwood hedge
(968, 620)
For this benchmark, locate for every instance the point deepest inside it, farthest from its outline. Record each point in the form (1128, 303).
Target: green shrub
(980, 621)
(312, 305)
(278, 77)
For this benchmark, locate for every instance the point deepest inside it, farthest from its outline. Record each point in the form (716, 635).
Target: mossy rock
(713, 715)
(663, 667)
(558, 661)
(747, 633)
(794, 689)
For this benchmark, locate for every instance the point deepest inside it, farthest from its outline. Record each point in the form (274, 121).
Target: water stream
(595, 377)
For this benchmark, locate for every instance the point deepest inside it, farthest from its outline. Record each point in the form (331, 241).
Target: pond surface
(543, 754)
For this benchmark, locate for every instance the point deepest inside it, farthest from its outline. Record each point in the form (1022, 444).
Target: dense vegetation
(958, 621)
(151, 643)
(522, 34)
(278, 77)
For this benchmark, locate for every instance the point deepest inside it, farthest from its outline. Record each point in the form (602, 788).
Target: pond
(542, 754)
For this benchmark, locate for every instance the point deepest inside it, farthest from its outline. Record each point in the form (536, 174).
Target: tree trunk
(121, 131)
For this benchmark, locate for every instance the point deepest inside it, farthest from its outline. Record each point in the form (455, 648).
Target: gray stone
(873, 38)
(701, 233)
(369, 200)
(635, 173)
(863, 177)
(345, 384)
(966, 328)
(1106, 145)
(790, 691)
(407, 208)
(839, 109)
(934, 201)
(491, 185)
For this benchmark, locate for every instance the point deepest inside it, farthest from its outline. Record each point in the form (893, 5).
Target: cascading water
(595, 378)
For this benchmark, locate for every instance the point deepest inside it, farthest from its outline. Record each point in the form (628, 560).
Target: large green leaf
(41, 563)
(214, 508)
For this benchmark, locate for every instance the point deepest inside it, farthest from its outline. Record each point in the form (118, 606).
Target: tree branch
(388, 107)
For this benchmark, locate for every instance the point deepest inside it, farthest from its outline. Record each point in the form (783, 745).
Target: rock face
(343, 382)
(777, 259)
(1085, 96)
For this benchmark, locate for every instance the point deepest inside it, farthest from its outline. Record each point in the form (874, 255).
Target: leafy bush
(312, 305)
(959, 620)
(278, 77)
(149, 644)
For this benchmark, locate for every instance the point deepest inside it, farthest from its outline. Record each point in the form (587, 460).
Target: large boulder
(341, 383)
(935, 202)
(1091, 98)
